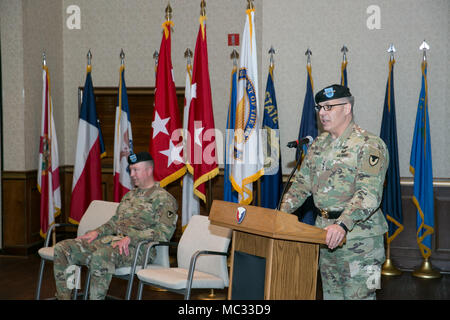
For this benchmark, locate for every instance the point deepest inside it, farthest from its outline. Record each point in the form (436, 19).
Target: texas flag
(203, 157)
(87, 175)
(48, 168)
(166, 139)
(123, 141)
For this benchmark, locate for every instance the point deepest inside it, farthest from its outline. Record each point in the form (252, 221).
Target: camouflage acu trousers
(101, 259)
(352, 271)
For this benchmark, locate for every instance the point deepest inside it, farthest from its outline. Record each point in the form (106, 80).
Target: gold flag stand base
(211, 296)
(426, 271)
(388, 269)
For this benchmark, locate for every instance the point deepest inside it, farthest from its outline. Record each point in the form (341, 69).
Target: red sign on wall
(233, 39)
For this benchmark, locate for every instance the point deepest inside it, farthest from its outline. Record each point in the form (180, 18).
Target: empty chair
(201, 257)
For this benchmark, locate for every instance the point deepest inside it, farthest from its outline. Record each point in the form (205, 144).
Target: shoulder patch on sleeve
(168, 218)
(372, 160)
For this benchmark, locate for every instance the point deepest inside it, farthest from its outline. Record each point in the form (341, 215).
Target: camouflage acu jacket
(143, 214)
(344, 174)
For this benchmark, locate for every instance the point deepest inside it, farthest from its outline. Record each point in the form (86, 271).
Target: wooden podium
(286, 249)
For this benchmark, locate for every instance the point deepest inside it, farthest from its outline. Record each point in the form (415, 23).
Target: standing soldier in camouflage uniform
(344, 170)
(146, 212)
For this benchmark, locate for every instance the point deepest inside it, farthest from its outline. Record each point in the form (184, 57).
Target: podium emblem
(240, 214)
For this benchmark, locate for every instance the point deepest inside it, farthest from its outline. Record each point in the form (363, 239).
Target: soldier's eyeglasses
(327, 107)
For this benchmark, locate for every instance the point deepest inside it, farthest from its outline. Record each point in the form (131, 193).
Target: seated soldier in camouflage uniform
(146, 212)
(344, 170)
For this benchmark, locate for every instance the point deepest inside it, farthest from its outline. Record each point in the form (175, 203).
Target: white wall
(291, 26)
(324, 26)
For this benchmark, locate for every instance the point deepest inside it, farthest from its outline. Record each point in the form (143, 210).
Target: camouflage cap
(332, 92)
(139, 157)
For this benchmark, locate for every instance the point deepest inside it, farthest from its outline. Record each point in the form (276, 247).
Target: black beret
(334, 91)
(139, 157)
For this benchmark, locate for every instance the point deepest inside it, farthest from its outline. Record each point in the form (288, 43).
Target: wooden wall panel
(21, 220)
(140, 103)
(405, 252)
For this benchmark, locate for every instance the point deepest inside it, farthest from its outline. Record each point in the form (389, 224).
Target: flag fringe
(174, 176)
(205, 177)
(242, 191)
(57, 213)
(397, 232)
(426, 252)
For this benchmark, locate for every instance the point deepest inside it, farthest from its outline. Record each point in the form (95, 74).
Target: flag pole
(388, 268)
(44, 64)
(425, 271)
(258, 182)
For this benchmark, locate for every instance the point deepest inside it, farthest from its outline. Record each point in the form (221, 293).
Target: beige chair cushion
(124, 271)
(98, 213)
(201, 235)
(176, 278)
(47, 253)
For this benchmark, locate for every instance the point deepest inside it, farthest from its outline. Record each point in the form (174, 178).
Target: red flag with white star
(166, 142)
(202, 162)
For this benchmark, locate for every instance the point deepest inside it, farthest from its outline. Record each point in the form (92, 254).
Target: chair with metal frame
(127, 273)
(96, 214)
(201, 257)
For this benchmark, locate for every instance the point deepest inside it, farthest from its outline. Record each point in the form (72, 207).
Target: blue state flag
(422, 169)
(308, 124)
(229, 194)
(392, 198)
(308, 127)
(272, 181)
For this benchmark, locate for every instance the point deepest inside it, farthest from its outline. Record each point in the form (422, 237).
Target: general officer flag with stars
(190, 202)
(392, 198)
(203, 164)
(166, 141)
(422, 169)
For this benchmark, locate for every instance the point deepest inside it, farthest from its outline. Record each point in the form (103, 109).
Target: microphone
(296, 143)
